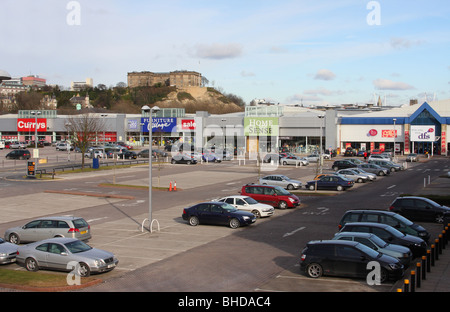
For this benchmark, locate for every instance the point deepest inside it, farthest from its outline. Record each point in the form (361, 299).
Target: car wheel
(290, 187)
(234, 223)
(193, 220)
(314, 270)
(83, 269)
(173, 161)
(392, 169)
(381, 173)
(31, 265)
(339, 188)
(14, 239)
(284, 163)
(360, 180)
(188, 162)
(383, 275)
(282, 204)
(439, 218)
(256, 213)
(311, 187)
(335, 168)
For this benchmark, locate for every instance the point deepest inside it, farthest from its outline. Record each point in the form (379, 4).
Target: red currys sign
(28, 124)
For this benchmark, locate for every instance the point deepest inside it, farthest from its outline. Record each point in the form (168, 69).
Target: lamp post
(395, 136)
(150, 139)
(321, 117)
(36, 151)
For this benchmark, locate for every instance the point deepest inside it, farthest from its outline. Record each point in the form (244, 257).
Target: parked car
(94, 154)
(7, 252)
(18, 154)
(49, 227)
(390, 235)
(342, 164)
(183, 159)
(372, 241)
(128, 154)
(353, 175)
(419, 208)
(273, 195)
(380, 157)
(123, 144)
(271, 158)
(371, 176)
(218, 213)
(211, 157)
(395, 220)
(373, 168)
(386, 164)
(247, 203)
(18, 145)
(413, 157)
(349, 151)
(294, 160)
(64, 147)
(331, 182)
(280, 180)
(346, 258)
(312, 158)
(58, 253)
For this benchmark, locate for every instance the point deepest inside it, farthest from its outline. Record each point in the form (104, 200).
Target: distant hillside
(202, 99)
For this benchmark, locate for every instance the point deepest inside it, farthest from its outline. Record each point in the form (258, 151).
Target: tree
(83, 129)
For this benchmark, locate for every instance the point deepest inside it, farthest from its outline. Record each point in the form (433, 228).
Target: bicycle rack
(150, 225)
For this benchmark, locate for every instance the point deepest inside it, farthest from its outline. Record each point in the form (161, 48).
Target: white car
(379, 157)
(94, 154)
(248, 204)
(18, 145)
(63, 147)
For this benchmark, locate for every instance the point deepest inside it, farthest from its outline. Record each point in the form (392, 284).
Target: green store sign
(261, 126)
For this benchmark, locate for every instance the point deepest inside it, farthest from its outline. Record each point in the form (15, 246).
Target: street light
(395, 136)
(320, 152)
(150, 139)
(35, 113)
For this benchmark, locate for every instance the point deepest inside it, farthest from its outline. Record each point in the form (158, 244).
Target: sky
(320, 52)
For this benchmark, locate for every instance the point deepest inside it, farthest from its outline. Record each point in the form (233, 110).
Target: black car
(183, 159)
(419, 208)
(347, 258)
(143, 154)
(128, 155)
(330, 182)
(386, 217)
(217, 213)
(390, 235)
(19, 154)
(342, 164)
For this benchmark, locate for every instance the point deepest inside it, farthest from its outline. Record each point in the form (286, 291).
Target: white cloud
(323, 92)
(218, 51)
(386, 84)
(399, 43)
(324, 74)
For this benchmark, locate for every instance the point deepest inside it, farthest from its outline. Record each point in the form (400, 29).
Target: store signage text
(264, 126)
(160, 124)
(187, 124)
(423, 133)
(388, 133)
(28, 124)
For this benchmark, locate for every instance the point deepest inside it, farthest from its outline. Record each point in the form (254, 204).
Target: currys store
(419, 128)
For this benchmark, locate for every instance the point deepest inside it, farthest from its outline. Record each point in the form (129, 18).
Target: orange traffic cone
(170, 186)
(175, 186)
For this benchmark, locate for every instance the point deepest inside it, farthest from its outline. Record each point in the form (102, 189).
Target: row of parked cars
(53, 243)
(387, 237)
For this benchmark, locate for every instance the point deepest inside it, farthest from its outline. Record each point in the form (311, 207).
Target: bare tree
(83, 129)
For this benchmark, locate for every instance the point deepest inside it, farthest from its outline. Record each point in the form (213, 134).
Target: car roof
(61, 240)
(372, 224)
(59, 218)
(371, 211)
(355, 234)
(333, 241)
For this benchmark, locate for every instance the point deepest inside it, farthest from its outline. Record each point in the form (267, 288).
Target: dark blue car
(330, 182)
(217, 213)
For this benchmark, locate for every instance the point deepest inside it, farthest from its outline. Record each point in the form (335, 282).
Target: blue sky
(288, 52)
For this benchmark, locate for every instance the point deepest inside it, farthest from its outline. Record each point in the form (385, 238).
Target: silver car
(372, 176)
(7, 252)
(280, 180)
(48, 227)
(353, 175)
(293, 160)
(65, 254)
(412, 157)
(248, 204)
(402, 253)
(373, 168)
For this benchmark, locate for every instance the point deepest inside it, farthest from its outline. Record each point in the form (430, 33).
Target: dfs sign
(423, 133)
(29, 125)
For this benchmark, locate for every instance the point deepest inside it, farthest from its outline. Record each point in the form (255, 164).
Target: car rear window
(80, 223)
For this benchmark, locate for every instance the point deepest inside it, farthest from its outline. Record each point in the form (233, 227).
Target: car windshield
(77, 246)
(228, 207)
(281, 191)
(402, 219)
(369, 251)
(378, 241)
(394, 232)
(250, 201)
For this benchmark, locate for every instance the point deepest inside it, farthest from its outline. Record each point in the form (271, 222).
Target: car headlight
(246, 218)
(422, 234)
(394, 266)
(2, 254)
(291, 200)
(99, 262)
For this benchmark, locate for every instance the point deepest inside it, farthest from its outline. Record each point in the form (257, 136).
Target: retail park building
(411, 128)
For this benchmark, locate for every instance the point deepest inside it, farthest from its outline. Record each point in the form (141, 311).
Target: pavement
(437, 278)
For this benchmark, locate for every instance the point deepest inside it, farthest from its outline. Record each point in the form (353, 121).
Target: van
(275, 196)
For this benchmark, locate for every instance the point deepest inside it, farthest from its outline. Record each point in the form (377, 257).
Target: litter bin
(95, 163)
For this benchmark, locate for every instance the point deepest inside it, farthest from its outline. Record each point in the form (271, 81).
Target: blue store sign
(160, 124)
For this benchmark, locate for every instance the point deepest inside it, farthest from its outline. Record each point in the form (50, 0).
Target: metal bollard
(418, 281)
(413, 281)
(406, 285)
(428, 260)
(441, 243)
(433, 257)
(424, 264)
(436, 253)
